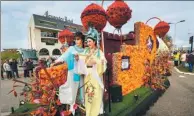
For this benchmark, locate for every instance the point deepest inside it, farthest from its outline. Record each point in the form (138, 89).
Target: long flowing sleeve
(101, 64)
(64, 56)
(67, 57)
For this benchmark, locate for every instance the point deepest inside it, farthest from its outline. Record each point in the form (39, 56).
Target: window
(56, 52)
(48, 23)
(49, 41)
(49, 34)
(43, 51)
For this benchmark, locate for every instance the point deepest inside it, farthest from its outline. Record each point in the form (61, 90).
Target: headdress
(94, 35)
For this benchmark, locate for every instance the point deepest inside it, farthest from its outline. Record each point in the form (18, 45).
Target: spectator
(25, 68)
(7, 69)
(188, 52)
(48, 62)
(14, 68)
(176, 58)
(191, 61)
(2, 70)
(30, 67)
(183, 58)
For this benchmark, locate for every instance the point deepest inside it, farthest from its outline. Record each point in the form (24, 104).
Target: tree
(6, 55)
(168, 41)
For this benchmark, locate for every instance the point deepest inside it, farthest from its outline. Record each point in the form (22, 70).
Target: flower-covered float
(134, 64)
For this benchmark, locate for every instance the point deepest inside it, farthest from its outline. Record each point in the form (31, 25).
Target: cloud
(16, 16)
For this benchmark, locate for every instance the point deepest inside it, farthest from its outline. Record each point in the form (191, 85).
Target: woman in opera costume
(93, 61)
(68, 91)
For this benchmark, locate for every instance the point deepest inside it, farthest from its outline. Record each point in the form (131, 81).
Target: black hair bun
(80, 34)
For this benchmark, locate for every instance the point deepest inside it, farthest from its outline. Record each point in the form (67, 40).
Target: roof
(43, 21)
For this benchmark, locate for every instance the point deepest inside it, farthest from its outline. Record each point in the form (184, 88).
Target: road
(8, 100)
(178, 100)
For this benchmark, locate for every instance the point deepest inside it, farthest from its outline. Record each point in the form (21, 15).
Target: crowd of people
(10, 67)
(184, 59)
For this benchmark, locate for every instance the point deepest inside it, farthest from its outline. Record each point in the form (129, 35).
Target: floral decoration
(118, 13)
(44, 90)
(65, 36)
(95, 15)
(161, 29)
(134, 77)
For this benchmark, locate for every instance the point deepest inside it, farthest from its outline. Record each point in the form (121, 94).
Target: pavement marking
(182, 72)
(181, 76)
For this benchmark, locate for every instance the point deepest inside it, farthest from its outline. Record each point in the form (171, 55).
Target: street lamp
(191, 40)
(175, 29)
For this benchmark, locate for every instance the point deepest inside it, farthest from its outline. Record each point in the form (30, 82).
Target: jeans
(26, 73)
(176, 63)
(15, 72)
(30, 72)
(190, 67)
(183, 63)
(9, 75)
(2, 74)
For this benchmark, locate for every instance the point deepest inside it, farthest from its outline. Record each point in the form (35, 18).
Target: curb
(182, 72)
(5, 114)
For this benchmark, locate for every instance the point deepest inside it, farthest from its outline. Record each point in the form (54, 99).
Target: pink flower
(61, 113)
(37, 101)
(75, 106)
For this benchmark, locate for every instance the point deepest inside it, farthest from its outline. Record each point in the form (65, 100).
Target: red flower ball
(95, 15)
(118, 13)
(161, 29)
(65, 34)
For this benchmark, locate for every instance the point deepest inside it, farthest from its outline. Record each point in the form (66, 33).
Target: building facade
(43, 33)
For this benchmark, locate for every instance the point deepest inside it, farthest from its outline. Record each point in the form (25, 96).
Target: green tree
(9, 55)
(168, 40)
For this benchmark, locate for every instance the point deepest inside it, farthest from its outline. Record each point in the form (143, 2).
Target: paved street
(8, 100)
(178, 100)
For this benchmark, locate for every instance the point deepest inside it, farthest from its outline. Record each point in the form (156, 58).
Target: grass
(129, 103)
(184, 69)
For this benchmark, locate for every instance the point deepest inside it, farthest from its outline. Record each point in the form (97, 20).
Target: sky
(15, 17)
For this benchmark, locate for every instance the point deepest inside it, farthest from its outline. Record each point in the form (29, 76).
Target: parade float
(136, 74)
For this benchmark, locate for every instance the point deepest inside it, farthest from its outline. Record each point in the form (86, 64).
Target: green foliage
(9, 55)
(168, 38)
(27, 108)
(129, 103)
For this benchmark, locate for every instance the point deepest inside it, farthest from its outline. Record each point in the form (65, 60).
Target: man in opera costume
(68, 91)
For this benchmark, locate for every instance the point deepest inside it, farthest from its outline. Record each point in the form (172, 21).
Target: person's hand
(52, 64)
(56, 63)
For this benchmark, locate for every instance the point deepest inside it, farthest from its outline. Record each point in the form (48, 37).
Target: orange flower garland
(143, 32)
(132, 79)
(48, 87)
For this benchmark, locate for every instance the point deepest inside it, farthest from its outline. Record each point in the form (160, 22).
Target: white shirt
(6, 67)
(183, 57)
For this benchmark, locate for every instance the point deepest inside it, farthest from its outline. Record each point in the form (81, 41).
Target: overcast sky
(15, 16)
